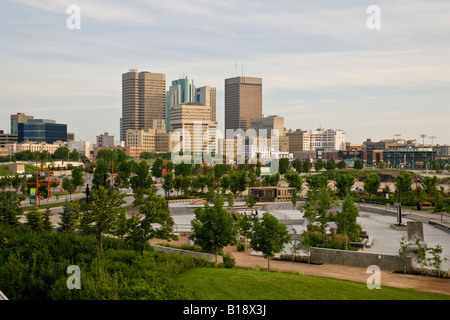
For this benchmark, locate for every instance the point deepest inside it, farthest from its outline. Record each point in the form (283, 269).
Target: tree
(250, 201)
(421, 253)
(70, 217)
(344, 183)
(429, 184)
(46, 223)
(294, 199)
(213, 228)
(346, 219)
(68, 185)
(62, 153)
(10, 209)
(102, 214)
(283, 165)
(342, 164)
(316, 181)
(225, 182)
(230, 200)
(101, 174)
(436, 261)
(403, 186)
(238, 181)
(167, 184)
(307, 165)
(183, 169)
(17, 182)
(34, 219)
(402, 252)
(319, 165)
(142, 177)
(245, 225)
(125, 169)
(157, 168)
(298, 165)
(271, 180)
(358, 164)
(154, 221)
(372, 183)
(331, 164)
(77, 177)
(294, 180)
(268, 236)
(74, 155)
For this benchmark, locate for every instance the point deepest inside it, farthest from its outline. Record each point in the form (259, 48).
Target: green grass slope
(242, 284)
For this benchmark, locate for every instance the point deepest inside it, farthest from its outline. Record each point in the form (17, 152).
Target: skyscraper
(207, 97)
(243, 102)
(181, 91)
(143, 101)
(18, 118)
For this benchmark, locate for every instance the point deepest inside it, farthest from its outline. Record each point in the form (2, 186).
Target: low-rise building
(152, 140)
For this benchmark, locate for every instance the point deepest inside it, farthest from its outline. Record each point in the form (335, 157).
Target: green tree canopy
(342, 164)
(358, 164)
(154, 221)
(70, 217)
(102, 213)
(403, 187)
(316, 181)
(101, 174)
(346, 219)
(77, 177)
(344, 183)
(157, 168)
(294, 180)
(68, 185)
(268, 236)
(331, 164)
(429, 184)
(372, 183)
(142, 177)
(283, 165)
(319, 165)
(213, 228)
(10, 209)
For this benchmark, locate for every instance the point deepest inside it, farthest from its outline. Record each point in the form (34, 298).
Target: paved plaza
(385, 239)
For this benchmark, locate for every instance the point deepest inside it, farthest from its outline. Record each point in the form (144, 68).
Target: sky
(322, 65)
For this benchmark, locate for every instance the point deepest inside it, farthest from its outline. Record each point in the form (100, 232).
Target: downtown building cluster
(180, 117)
(183, 118)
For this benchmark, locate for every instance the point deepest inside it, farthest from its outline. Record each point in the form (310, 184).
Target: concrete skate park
(376, 220)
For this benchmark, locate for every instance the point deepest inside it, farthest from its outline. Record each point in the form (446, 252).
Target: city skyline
(320, 64)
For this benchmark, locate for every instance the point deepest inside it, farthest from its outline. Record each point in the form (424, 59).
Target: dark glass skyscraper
(42, 130)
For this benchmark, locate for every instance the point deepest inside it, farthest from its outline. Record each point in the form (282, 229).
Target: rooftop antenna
(236, 68)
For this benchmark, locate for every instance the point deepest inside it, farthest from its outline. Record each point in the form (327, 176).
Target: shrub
(228, 261)
(33, 266)
(240, 247)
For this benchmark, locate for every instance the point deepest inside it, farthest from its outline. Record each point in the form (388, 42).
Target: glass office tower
(42, 130)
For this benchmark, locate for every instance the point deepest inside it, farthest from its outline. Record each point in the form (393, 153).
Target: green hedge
(34, 266)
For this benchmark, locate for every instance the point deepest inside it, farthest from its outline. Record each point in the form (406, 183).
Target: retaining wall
(358, 259)
(207, 256)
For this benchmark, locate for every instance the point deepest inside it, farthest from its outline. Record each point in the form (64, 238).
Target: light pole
(423, 136)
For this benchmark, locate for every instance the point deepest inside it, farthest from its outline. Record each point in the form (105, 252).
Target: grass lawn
(4, 171)
(243, 284)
